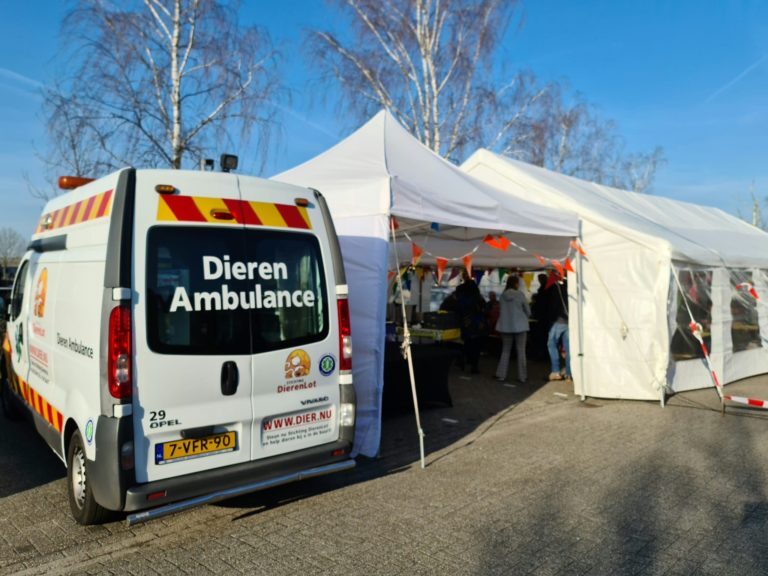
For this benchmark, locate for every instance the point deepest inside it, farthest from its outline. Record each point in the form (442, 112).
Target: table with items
(433, 351)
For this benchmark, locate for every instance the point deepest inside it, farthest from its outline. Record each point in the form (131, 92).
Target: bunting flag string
(559, 267)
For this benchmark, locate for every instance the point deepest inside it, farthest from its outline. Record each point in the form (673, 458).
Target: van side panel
(76, 340)
(47, 399)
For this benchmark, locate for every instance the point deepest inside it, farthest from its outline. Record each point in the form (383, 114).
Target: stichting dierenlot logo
(297, 369)
(297, 365)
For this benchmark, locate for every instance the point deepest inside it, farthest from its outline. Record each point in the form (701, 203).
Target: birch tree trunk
(161, 83)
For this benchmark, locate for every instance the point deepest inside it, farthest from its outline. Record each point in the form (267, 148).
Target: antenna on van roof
(228, 162)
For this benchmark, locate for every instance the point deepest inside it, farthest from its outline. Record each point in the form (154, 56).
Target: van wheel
(9, 403)
(84, 507)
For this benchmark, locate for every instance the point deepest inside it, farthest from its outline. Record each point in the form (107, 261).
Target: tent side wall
(752, 362)
(626, 341)
(729, 366)
(364, 246)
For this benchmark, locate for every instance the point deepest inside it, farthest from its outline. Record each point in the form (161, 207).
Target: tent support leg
(406, 347)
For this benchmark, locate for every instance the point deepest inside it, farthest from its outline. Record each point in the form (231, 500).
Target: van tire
(85, 509)
(10, 405)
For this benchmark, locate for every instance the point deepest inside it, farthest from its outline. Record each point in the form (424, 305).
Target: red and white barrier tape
(696, 330)
(754, 402)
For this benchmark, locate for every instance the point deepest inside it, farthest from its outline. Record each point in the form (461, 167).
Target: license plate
(195, 447)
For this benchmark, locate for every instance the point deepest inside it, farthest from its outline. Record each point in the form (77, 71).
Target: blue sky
(690, 76)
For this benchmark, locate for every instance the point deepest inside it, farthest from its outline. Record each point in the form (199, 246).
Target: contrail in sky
(738, 78)
(307, 121)
(20, 78)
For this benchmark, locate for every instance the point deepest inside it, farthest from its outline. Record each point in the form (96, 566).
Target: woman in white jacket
(513, 326)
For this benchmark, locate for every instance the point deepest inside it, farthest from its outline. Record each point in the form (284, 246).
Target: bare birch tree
(158, 82)
(432, 63)
(562, 132)
(424, 60)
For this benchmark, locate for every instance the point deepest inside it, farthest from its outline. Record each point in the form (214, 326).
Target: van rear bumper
(256, 475)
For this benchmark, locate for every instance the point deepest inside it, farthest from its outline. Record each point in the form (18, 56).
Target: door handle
(230, 378)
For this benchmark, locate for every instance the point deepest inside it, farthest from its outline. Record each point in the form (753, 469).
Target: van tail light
(119, 353)
(345, 337)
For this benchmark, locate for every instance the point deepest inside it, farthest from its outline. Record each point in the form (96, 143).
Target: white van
(182, 337)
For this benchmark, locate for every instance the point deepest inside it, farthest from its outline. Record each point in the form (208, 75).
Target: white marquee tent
(381, 170)
(651, 263)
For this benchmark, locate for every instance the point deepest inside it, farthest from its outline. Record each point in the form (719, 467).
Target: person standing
(558, 334)
(471, 309)
(541, 320)
(513, 327)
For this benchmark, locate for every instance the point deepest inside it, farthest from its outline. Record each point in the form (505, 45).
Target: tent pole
(580, 307)
(406, 346)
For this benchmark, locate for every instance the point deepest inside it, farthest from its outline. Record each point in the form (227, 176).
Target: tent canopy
(381, 170)
(687, 232)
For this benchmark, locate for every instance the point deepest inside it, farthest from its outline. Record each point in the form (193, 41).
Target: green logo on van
(327, 364)
(89, 431)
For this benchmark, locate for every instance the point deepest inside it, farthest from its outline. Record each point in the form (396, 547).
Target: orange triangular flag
(416, 253)
(468, 263)
(551, 279)
(568, 265)
(541, 260)
(441, 264)
(500, 243)
(575, 245)
(558, 267)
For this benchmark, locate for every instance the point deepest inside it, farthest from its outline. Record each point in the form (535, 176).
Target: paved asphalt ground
(521, 480)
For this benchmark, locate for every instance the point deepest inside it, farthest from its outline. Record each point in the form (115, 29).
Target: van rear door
(294, 320)
(192, 408)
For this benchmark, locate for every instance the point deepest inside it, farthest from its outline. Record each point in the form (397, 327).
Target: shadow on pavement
(478, 402)
(25, 459)
(685, 496)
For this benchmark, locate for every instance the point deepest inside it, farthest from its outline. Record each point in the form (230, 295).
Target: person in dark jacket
(470, 307)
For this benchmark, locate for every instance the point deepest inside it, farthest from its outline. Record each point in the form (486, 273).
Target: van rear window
(233, 291)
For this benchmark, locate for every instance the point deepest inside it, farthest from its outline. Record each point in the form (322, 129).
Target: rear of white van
(234, 357)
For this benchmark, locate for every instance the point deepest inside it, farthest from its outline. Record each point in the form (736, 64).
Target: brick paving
(523, 480)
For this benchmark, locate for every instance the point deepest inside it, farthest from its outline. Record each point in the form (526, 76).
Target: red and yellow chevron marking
(202, 209)
(38, 403)
(87, 209)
